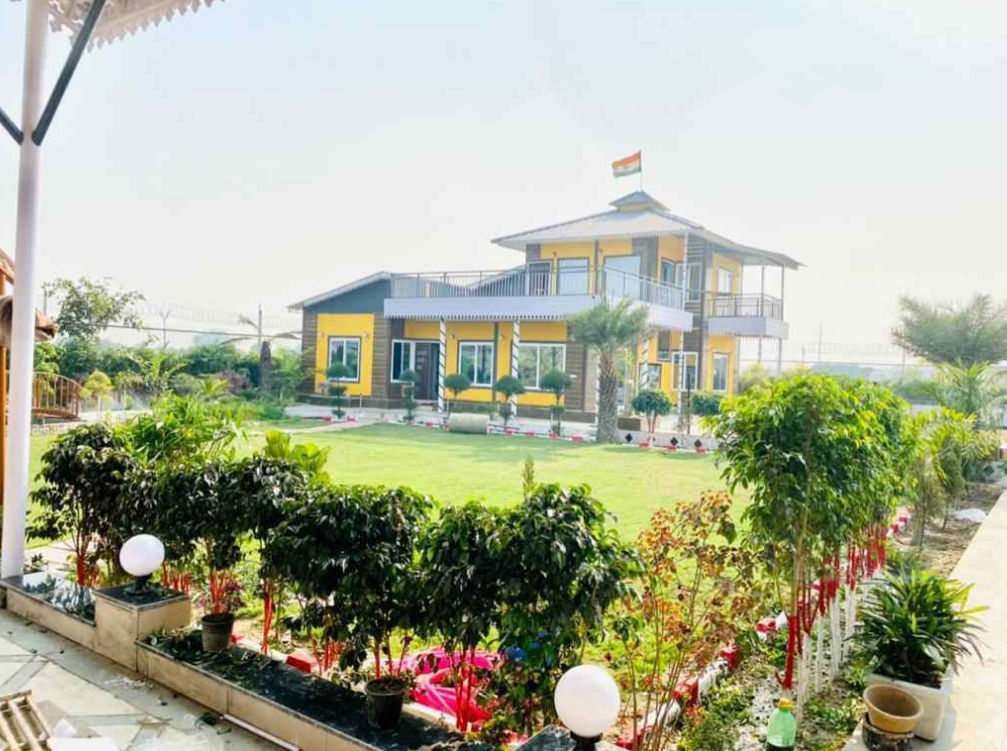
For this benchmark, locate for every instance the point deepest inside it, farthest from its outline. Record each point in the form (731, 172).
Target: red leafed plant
(698, 591)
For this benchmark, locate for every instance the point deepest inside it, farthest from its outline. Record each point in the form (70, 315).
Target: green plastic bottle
(781, 733)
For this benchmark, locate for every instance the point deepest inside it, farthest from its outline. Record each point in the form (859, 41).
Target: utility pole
(164, 330)
(259, 328)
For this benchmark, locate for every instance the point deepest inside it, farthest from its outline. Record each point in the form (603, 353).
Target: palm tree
(609, 330)
(973, 390)
(264, 344)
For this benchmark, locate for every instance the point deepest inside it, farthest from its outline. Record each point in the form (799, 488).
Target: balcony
(745, 315)
(528, 294)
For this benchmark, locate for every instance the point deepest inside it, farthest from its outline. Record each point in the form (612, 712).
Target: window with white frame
(346, 350)
(686, 364)
(475, 360)
(573, 276)
(725, 282)
(535, 360)
(650, 375)
(403, 358)
(721, 362)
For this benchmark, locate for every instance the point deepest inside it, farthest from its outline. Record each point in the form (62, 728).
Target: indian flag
(629, 165)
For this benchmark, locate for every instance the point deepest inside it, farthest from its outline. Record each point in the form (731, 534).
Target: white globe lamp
(587, 701)
(141, 556)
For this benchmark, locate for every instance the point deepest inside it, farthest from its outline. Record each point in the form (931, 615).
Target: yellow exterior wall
(722, 262)
(670, 249)
(350, 324)
(537, 331)
(726, 345)
(423, 330)
(556, 251)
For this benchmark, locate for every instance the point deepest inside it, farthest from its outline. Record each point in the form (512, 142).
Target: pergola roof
(119, 17)
(638, 214)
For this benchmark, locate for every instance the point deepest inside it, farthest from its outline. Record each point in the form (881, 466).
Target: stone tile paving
(99, 698)
(976, 719)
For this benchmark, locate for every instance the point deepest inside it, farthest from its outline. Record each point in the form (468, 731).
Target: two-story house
(489, 323)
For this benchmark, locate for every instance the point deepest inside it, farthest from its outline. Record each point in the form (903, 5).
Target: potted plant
(508, 387)
(351, 552)
(408, 379)
(915, 630)
(337, 390)
(652, 404)
(456, 383)
(557, 382)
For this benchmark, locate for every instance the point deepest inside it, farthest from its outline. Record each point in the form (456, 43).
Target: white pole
(23, 328)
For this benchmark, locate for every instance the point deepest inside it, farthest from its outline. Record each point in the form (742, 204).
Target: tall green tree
(968, 334)
(608, 330)
(97, 387)
(89, 306)
(817, 462)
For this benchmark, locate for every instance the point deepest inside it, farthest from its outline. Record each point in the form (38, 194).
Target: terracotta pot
(891, 709)
(934, 700)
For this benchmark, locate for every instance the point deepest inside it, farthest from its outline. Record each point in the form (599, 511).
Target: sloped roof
(118, 17)
(379, 276)
(638, 214)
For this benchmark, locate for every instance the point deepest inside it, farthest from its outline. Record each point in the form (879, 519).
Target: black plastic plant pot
(384, 702)
(217, 628)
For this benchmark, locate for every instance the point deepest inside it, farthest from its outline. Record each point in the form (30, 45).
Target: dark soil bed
(943, 547)
(336, 706)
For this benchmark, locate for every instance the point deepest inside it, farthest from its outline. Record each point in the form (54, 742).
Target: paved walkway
(98, 698)
(977, 717)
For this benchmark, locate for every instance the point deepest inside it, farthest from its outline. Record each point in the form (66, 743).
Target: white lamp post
(587, 701)
(141, 556)
(91, 22)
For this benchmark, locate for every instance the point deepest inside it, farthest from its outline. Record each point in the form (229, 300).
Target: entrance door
(427, 362)
(540, 278)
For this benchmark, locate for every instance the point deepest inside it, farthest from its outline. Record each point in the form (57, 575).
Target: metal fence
(765, 306)
(525, 282)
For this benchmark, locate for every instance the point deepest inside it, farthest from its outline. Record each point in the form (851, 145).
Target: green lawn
(452, 468)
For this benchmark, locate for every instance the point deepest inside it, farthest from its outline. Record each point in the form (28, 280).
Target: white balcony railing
(524, 282)
(744, 306)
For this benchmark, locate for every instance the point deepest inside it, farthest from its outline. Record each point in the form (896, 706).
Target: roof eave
(342, 290)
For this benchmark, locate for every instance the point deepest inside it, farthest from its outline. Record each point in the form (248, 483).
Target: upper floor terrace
(534, 291)
(749, 314)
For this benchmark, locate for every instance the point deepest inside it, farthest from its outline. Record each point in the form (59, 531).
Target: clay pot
(891, 709)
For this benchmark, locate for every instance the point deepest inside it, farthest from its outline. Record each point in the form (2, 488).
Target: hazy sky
(267, 150)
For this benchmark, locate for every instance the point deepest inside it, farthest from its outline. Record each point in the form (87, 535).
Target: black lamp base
(584, 744)
(139, 588)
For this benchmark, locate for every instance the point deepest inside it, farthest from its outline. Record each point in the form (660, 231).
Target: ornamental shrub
(85, 496)
(705, 403)
(915, 626)
(351, 550)
(653, 404)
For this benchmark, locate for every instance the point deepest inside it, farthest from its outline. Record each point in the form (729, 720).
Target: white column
(514, 347)
(442, 360)
(23, 327)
